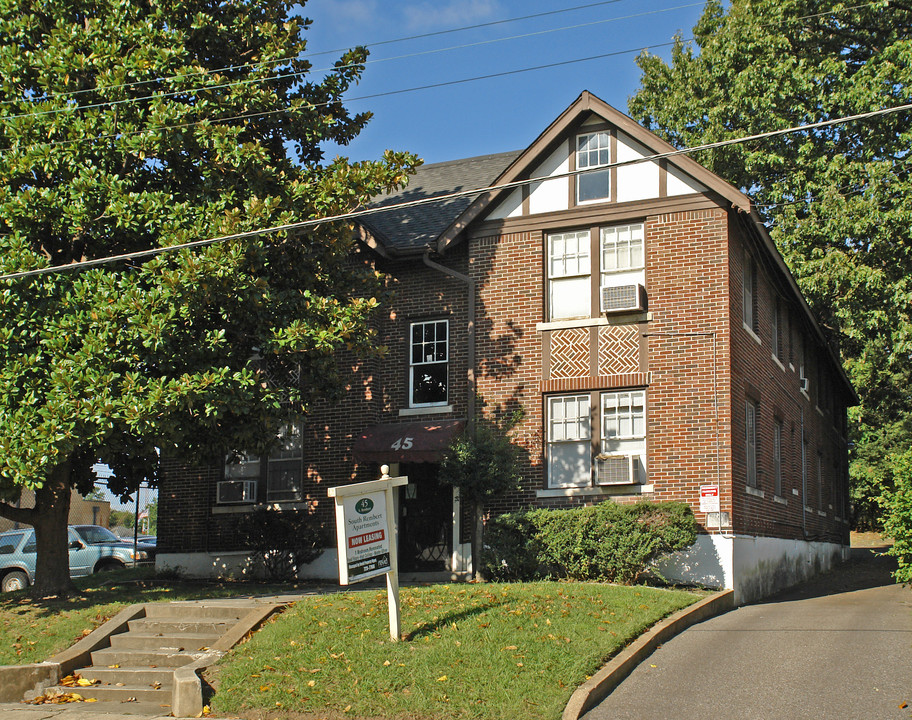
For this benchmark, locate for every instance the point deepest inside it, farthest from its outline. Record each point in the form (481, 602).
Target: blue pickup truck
(92, 549)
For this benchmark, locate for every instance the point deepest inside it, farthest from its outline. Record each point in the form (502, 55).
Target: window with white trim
(749, 294)
(623, 438)
(569, 442)
(622, 257)
(593, 150)
(277, 477)
(750, 445)
(777, 456)
(569, 273)
(620, 429)
(429, 351)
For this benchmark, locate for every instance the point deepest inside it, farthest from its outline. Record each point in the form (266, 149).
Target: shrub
(511, 550)
(606, 542)
(283, 540)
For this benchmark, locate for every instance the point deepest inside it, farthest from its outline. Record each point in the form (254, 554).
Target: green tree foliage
(483, 463)
(897, 503)
(126, 126)
(836, 199)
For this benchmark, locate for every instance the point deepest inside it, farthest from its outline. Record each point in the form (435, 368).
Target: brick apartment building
(638, 314)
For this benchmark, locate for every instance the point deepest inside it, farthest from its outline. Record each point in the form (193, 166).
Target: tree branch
(17, 514)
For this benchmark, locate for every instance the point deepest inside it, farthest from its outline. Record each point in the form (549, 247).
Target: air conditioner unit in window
(803, 384)
(236, 491)
(623, 298)
(617, 469)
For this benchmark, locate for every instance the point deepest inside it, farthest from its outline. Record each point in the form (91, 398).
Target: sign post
(366, 534)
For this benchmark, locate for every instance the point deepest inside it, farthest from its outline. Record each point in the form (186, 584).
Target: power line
(281, 61)
(335, 68)
(338, 68)
(449, 196)
(313, 106)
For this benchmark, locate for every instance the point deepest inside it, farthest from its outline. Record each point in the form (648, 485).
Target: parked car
(92, 549)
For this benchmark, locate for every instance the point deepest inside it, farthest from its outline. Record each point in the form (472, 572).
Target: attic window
(593, 151)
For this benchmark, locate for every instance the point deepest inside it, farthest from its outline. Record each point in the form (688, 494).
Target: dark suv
(92, 548)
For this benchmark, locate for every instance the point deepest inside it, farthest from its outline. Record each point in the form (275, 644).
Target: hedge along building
(638, 314)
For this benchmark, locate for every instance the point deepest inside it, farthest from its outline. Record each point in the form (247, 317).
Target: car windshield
(95, 534)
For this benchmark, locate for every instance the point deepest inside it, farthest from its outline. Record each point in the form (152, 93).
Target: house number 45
(403, 443)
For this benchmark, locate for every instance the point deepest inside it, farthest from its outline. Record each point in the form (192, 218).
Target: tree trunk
(52, 511)
(477, 539)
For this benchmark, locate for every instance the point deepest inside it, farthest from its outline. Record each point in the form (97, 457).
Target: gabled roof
(566, 124)
(410, 230)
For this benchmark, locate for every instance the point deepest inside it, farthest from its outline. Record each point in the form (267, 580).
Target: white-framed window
(750, 445)
(749, 294)
(569, 275)
(429, 350)
(277, 477)
(621, 432)
(777, 457)
(593, 150)
(284, 466)
(621, 459)
(622, 257)
(569, 441)
(778, 320)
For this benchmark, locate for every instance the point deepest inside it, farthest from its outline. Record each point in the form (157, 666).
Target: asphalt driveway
(837, 647)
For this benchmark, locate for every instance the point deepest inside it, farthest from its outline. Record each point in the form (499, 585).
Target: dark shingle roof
(411, 229)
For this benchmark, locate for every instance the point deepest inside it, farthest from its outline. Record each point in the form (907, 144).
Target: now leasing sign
(366, 536)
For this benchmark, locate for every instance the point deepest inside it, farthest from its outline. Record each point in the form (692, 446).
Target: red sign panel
(366, 538)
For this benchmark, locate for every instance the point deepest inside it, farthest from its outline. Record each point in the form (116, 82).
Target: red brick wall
(688, 443)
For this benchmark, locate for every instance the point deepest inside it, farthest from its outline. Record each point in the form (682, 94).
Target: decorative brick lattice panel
(570, 353)
(619, 350)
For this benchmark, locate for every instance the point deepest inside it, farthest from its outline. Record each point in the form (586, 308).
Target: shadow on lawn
(429, 628)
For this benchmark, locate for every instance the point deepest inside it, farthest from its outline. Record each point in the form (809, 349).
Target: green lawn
(511, 651)
(34, 630)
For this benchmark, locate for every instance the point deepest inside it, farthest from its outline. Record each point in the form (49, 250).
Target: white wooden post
(363, 535)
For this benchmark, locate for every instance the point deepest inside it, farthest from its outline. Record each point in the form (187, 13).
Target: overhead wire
(334, 68)
(281, 61)
(353, 215)
(338, 68)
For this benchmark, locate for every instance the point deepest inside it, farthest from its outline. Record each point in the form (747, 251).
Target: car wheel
(16, 580)
(109, 565)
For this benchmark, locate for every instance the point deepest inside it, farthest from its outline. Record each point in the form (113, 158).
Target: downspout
(470, 328)
(470, 381)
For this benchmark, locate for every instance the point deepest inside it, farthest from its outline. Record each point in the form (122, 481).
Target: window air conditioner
(623, 298)
(617, 469)
(803, 384)
(236, 491)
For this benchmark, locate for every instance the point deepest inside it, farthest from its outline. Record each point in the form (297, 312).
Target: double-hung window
(429, 363)
(277, 477)
(618, 456)
(284, 466)
(569, 275)
(623, 443)
(749, 294)
(750, 437)
(777, 457)
(622, 259)
(593, 150)
(569, 441)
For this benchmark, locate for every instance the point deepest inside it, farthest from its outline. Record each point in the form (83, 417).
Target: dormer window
(593, 151)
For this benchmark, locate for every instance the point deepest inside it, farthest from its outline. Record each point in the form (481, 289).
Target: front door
(425, 520)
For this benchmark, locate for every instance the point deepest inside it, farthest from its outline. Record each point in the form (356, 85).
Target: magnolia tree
(127, 126)
(836, 199)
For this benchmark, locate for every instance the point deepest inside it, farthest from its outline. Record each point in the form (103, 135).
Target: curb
(600, 685)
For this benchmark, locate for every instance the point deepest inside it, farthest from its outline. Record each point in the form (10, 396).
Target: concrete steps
(137, 663)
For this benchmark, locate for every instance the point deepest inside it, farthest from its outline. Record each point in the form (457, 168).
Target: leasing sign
(367, 536)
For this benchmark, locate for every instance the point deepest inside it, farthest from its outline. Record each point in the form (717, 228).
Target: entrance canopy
(406, 442)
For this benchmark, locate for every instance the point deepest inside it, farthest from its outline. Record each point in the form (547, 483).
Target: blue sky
(496, 114)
